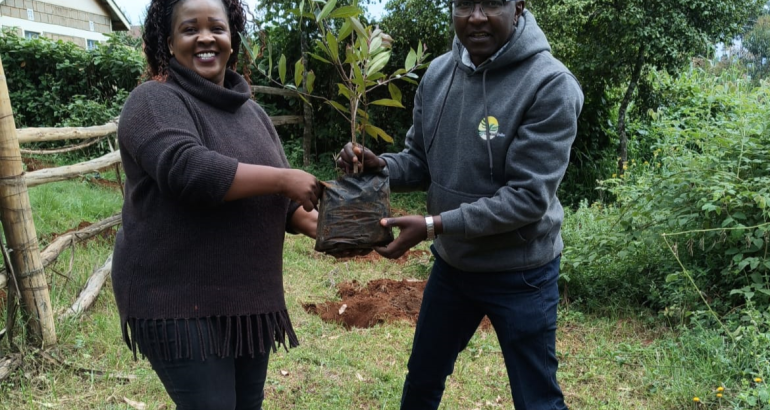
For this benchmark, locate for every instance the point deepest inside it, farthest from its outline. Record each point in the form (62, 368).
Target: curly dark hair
(157, 29)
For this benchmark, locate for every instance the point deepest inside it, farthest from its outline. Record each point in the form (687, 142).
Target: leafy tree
(358, 54)
(610, 45)
(287, 34)
(410, 22)
(757, 41)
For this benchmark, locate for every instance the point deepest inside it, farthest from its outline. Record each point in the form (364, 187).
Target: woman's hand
(301, 187)
(305, 222)
(252, 180)
(352, 155)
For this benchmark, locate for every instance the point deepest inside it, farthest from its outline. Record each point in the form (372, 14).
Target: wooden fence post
(19, 229)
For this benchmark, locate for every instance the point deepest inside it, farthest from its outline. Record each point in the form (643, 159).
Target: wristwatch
(431, 228)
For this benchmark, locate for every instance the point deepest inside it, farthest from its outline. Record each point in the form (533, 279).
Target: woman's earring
(171, 51)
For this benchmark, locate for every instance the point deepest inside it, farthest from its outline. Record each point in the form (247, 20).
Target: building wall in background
(83, 22)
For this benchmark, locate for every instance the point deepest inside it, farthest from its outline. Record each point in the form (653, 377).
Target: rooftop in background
(83, 22)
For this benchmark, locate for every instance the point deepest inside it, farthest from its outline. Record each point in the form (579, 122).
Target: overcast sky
(136, 9)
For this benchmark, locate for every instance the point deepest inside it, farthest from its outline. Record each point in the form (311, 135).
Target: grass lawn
(605, 361)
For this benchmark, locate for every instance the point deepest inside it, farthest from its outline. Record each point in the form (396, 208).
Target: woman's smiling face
(200, 38)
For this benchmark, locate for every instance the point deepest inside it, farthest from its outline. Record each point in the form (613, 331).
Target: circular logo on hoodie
(488, 124)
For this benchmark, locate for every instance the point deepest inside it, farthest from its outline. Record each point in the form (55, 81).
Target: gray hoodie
(494, 186)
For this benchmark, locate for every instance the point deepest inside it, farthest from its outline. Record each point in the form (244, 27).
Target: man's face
(483, 35)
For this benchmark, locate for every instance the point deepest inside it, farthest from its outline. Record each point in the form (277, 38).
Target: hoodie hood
(526, 41)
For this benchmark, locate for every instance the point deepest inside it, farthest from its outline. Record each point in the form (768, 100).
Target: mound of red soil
(380, 301)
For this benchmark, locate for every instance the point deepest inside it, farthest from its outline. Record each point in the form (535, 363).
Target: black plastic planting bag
(350, 210)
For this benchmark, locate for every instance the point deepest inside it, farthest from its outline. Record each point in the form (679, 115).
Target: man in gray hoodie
(494, 120)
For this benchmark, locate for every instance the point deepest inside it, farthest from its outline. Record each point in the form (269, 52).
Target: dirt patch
(33, 164)
(380, 301)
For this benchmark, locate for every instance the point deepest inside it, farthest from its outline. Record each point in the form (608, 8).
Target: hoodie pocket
(442, 199)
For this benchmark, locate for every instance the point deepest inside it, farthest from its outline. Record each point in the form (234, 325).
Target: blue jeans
(212, 383)
(522, 308)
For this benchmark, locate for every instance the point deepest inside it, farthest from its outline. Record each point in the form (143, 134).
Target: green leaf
(420, 51)
(310, 82)
(376, 132)
(282, 69)
(338, 106)
(378, 63)
(319, 58)
(334, 49)
(345, 11)
(358, 79)
(388, 103)
(344, 90)
(359, 28)
(672, 277)
(299, 69)
(374, 77)
(375, 45)
(249, 51)
(326, 10)
(345, 31)
(411, 60)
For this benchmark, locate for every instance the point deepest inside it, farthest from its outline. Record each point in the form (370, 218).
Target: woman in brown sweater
(197, 270)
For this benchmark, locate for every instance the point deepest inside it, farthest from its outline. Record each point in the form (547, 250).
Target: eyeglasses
(464, 8)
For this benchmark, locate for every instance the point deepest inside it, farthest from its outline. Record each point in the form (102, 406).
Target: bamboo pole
(19, 229)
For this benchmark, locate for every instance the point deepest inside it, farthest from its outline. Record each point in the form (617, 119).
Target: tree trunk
(307, 111)
(623, 144)
(19, 229)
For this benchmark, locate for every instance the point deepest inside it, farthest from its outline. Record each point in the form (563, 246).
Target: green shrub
(690, 221)
(48, 80)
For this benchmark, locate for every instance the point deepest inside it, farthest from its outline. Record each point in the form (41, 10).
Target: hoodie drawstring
(441, 110)
(487, 127)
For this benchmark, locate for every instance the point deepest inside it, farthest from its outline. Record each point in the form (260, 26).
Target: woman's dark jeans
(212, 383)
(522, 308)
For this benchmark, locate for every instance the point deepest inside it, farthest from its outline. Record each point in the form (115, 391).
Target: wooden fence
(49, 255)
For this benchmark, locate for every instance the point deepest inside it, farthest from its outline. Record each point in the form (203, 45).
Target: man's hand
(413, 231)
(352, 155)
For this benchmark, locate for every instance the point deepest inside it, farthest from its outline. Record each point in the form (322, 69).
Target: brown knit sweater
(184, 253)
